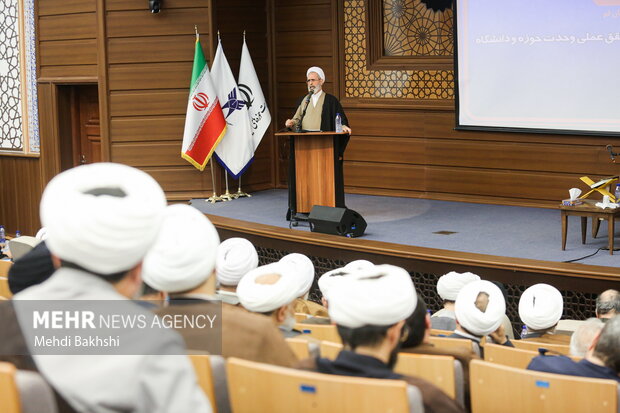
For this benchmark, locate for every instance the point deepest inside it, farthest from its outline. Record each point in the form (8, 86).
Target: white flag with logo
(236, 149)
(250, 89)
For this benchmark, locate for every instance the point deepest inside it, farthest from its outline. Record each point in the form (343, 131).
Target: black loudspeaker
(336, 221)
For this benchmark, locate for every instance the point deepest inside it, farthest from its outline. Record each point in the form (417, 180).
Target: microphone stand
(298, 127)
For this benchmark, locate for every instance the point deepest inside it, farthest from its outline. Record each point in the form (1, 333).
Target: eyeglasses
(312, 80)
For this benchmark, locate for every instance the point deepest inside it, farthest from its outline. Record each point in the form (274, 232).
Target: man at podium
(317, 112)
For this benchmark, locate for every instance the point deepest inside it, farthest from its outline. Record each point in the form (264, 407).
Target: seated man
(540, 309)
(327, 279)
(101, 219)
(608, 305)
(370, 310)
(271, 290)
(304, 272)
(448, 287)
(418, 341)
(235, 258)
(584, 335)
(479, 309)
(184, 268)
(602, 361)
(31, 269)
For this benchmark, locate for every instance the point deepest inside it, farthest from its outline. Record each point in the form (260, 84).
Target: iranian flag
(205, 125)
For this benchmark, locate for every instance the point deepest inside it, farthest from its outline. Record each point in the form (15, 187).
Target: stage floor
(507, 231)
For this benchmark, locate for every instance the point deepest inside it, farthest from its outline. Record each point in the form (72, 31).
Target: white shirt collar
(316, 96)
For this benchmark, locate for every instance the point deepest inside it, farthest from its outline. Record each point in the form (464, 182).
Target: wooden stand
(585, 210)
(314, 169)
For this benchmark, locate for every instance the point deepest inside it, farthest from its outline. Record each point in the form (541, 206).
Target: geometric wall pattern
(412, 29)
(426, 33)
(17, 76)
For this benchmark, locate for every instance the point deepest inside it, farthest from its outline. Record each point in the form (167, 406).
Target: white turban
(316, 70)
(450, 284)
(473, 319)
(540, 306)
(42, 234)
(235, 258)
(303, 271)
(183, 256)
(358, 265)
(380, 296)
(263, 298)
(329, 278)
(103, 217)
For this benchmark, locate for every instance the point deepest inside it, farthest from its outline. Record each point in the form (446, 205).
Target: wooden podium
(315, 169)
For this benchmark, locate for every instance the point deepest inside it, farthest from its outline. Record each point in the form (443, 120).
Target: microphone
(308, 97)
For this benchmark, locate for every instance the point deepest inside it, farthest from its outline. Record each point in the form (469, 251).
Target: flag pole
(228, 196)
(214, 198)
(240, 193)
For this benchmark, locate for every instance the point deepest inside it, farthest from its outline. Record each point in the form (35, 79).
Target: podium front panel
(314, 171)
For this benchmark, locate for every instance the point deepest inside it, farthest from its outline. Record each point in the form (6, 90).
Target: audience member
(101, 219)
(149, 297)
(418, 340)
(448, 287)
(540, 309)
(608, 305)
(602, 360)
(584, 335)
(370, 310)
(271, 290)
(184, 269)
(479, 309)
(303, 270)
(31, 269)
(235, 258)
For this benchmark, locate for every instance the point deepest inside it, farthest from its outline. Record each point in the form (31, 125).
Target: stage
(517, 246)
(507, 231)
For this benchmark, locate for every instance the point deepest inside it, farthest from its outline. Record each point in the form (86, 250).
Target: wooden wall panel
(144, 129)
(69, 26)
(140, 103)
(153, 49)
(148, 154)
(171, 22)
(78, 52)
(175, 75)
(55, 7)
(20, 194)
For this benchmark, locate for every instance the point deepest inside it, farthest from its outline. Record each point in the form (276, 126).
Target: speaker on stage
(336, 221)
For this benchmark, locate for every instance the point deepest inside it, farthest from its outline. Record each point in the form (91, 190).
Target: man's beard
(313, 89)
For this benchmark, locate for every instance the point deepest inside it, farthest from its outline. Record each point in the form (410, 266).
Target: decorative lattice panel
(422, 36)
(411, 29)
(577, 305)
(17, 76)
(11, 136)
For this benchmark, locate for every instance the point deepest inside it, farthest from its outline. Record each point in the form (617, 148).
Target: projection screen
(538, 65)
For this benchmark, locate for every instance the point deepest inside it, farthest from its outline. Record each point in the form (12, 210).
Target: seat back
(4, 280)
(24, 391)
(443, 371)
(440, 333)
(322, 332)
(330, 350)
(508, 356)
(211, 374)
(251, 386)
(511, 390)
(299, 347)
(9, 396)
(534, 346)
(454, 343)
(299, 317)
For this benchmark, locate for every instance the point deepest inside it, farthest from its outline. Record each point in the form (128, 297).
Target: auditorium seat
(299, 347)
(497, 388)
(443, 371)
(24, 392)
(322, 332)
(508, 356)
(300, 317)
(453, 343)
(440, 333)
(211, 374)
(256, 387)
(534, 346)
(4, 281)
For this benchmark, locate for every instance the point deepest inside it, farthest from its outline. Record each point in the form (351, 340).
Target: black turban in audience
(31, 269)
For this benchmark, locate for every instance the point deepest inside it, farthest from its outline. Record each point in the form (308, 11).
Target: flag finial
(196, 30)
(244, 35)
(219, 39)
